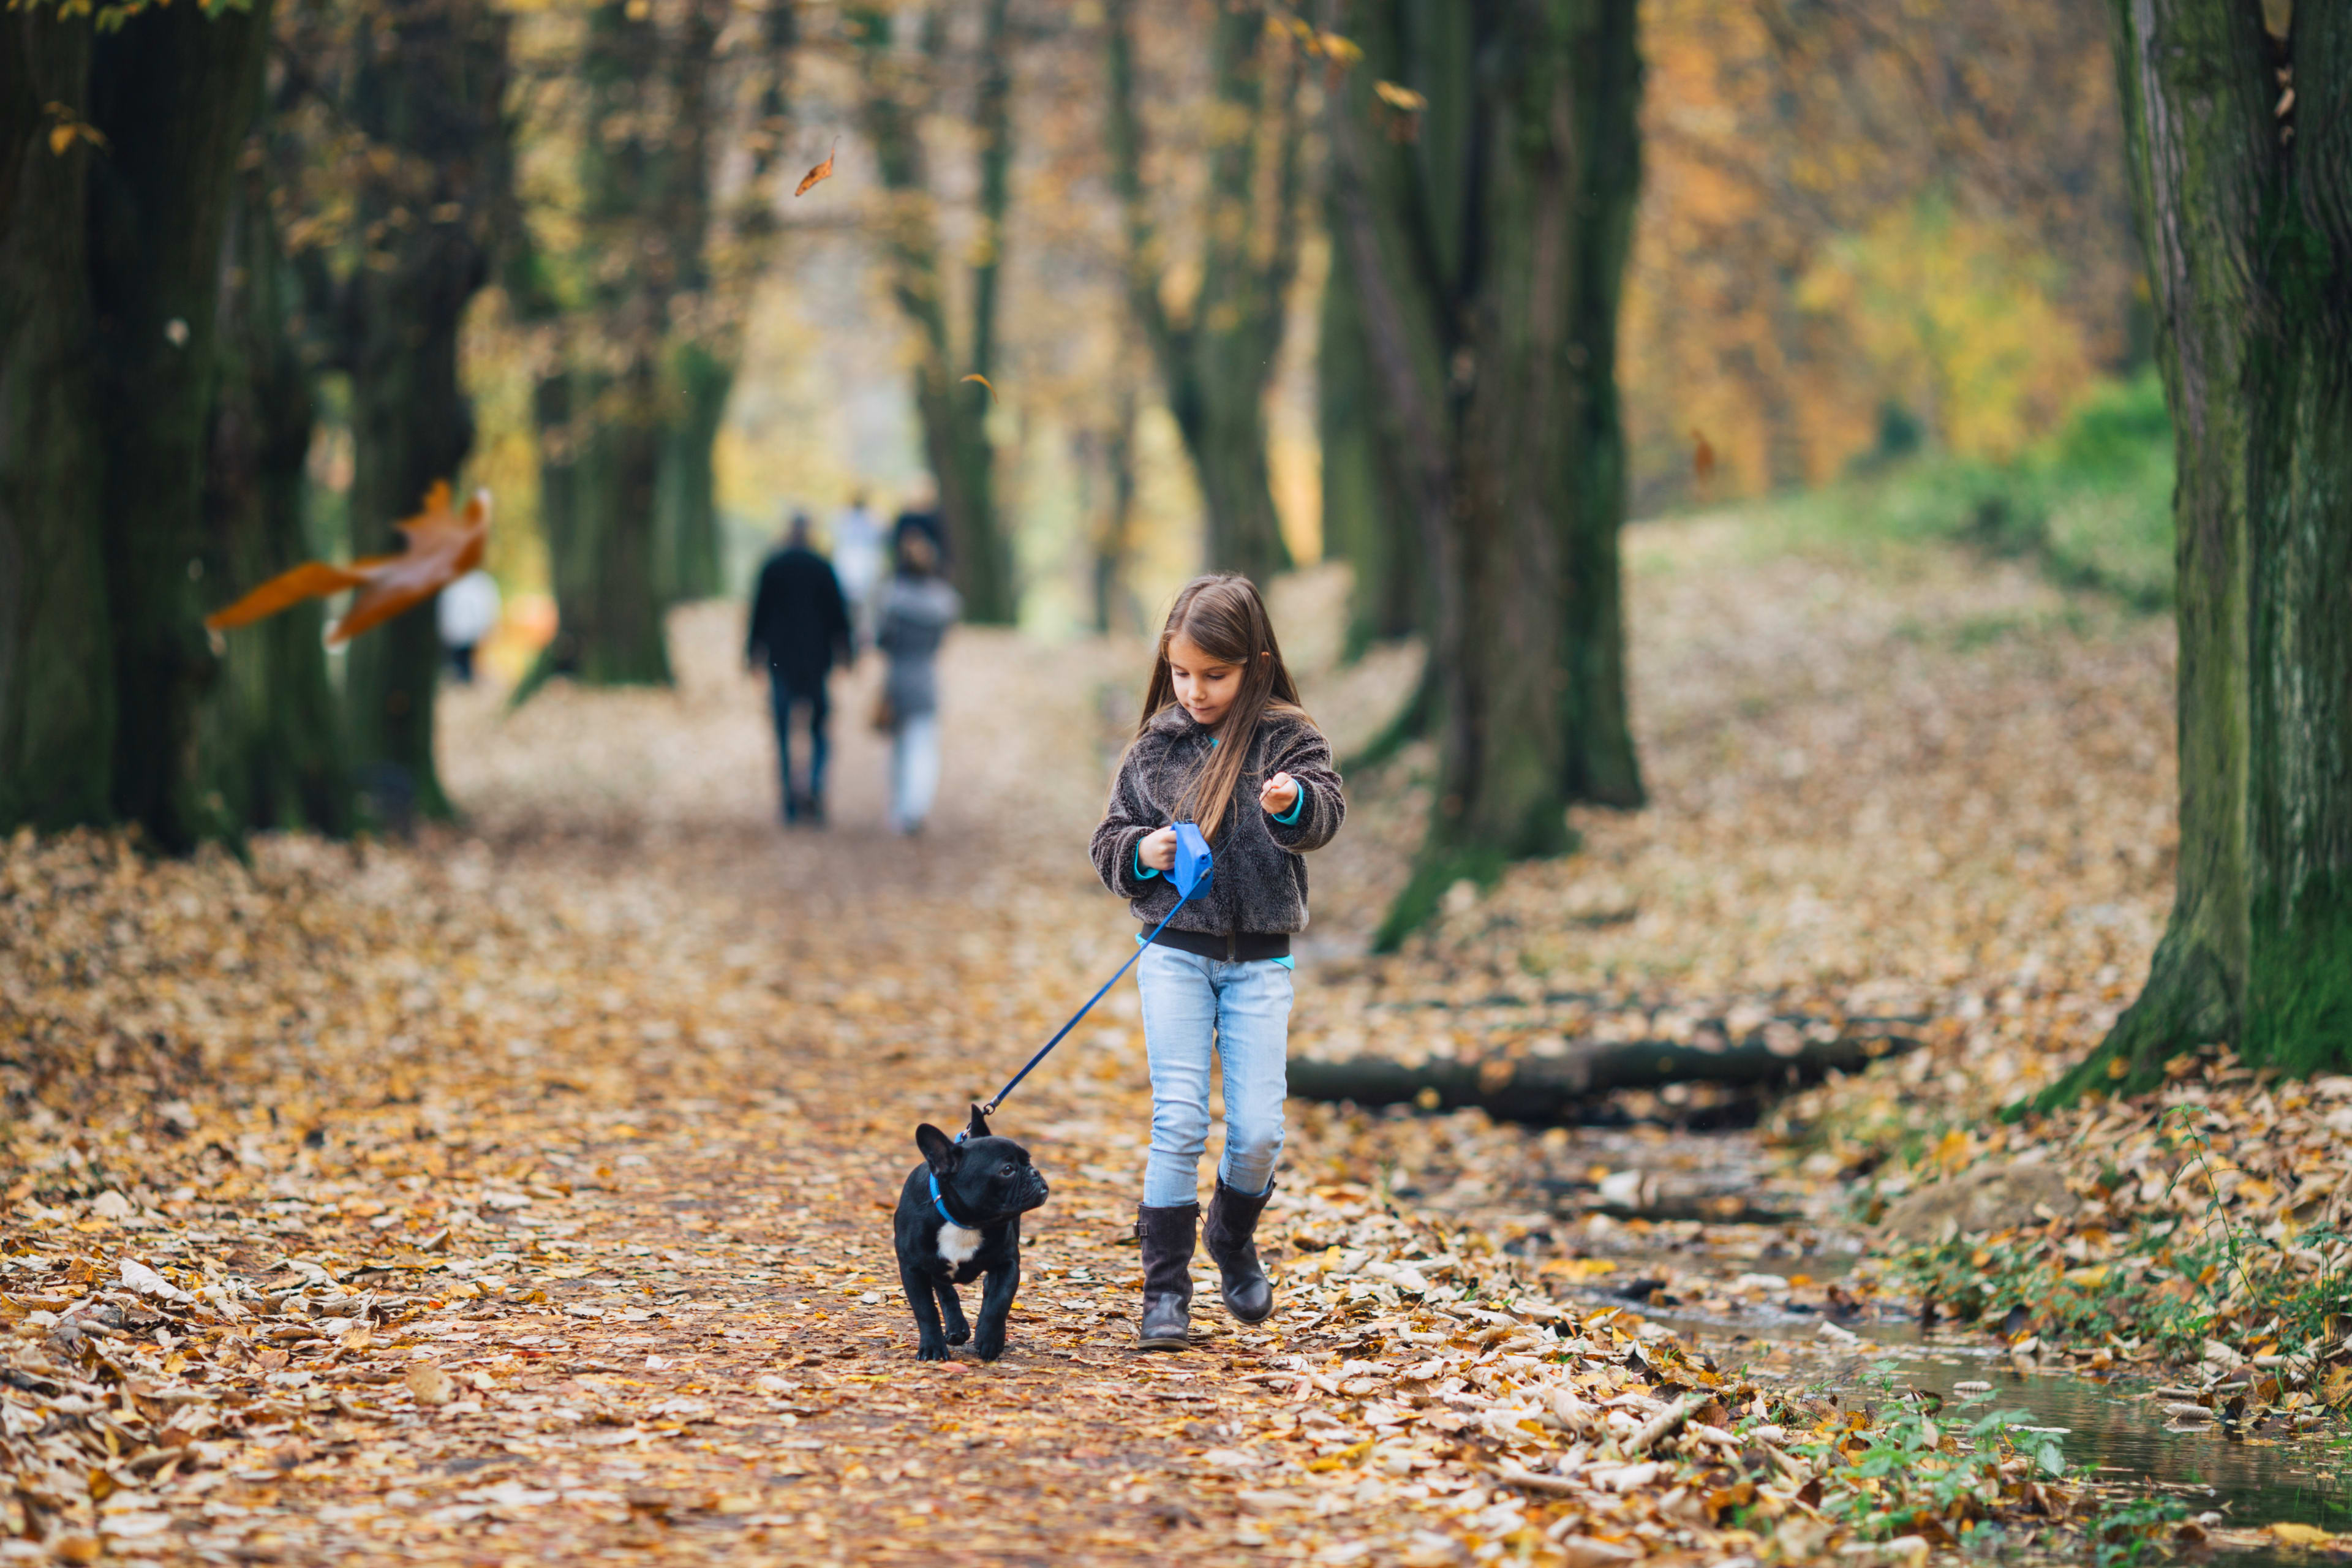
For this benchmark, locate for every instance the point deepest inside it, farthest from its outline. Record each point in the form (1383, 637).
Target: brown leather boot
(1227, 1233)
(1167, 1234)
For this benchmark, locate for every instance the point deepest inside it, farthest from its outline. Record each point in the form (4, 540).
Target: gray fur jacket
(1259, 884)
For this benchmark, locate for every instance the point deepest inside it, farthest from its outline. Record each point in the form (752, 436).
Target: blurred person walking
(799, 629)
(465, 613)
(857, 559)
(917, 608)
(920, 516)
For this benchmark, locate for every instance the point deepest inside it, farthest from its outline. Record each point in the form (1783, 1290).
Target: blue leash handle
(1193, 866)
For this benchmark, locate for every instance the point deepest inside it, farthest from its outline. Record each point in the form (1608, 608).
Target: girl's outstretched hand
(1279, 794)
(1158, 850)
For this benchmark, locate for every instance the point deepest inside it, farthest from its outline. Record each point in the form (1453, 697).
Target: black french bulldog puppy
(960, 1217)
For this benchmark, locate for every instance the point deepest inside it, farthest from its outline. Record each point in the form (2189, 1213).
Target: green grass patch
(2091, 504)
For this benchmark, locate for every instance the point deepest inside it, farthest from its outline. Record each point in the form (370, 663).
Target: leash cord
(990, 1109)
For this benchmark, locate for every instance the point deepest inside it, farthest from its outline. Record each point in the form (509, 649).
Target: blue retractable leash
(1194, 864)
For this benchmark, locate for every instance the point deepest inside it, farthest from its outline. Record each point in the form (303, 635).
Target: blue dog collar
(940, 1204)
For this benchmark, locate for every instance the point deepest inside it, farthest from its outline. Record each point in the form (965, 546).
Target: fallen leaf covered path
(524, 1194)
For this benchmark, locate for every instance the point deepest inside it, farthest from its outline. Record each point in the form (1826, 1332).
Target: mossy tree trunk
(2245, 205)
(1487, 241)
(617, 526)
(686, 504)
(272, 742)
(953, 412)
(173, 90)
(428, 91)
(698, 366)
(1217, 358)
(601, 539)
(56, 656)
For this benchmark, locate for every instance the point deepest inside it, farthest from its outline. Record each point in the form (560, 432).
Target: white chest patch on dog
(956, 1244)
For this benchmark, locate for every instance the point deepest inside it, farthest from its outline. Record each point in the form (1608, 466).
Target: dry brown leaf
(823, 171)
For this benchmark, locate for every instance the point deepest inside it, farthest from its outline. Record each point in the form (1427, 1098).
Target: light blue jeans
(1193, 1006)
(914, 770)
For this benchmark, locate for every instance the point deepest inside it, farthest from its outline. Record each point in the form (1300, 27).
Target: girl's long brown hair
(1222, 615)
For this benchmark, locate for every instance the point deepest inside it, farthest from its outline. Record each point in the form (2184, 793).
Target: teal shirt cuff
(1287, 818)
(1142, 873)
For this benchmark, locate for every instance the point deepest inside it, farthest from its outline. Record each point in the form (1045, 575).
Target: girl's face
(1205, 685)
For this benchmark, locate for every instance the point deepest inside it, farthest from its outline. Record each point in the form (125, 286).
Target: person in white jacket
(465, 613)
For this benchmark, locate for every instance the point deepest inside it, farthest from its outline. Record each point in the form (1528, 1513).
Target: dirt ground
(523, 1193)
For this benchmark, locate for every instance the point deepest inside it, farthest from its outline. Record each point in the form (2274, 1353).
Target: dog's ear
(939, 1148)
(979, 1128)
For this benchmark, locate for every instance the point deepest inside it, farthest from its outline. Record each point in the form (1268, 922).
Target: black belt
(1233, 947)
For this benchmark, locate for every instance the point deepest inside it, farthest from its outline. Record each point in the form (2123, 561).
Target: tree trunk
(602, 431)
(599, 543)
(953, 413)
(1485, 237)
(428, 91)
(692, 552)
(272, 732)
(1219, 359)
(1367, 516)
(698, 369)
(173, 90)
(1545, 1089)
(56, 661)
(2245, 205)
(1107, 476)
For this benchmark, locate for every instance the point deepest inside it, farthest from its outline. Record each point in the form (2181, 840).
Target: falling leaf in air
(1402, 98)
(984, 381)
(443, 546)
(1702, 457)
(821, 173)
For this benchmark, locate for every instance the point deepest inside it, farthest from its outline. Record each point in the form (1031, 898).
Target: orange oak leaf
(822, 172)
(443, 546)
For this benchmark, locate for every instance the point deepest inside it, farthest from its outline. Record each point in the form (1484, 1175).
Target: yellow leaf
(1339, 51)
(61, 137)
(983, 380)
(1403, 98)
(2290, 1533)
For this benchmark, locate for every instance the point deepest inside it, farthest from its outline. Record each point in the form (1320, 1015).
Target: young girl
(1222, 743)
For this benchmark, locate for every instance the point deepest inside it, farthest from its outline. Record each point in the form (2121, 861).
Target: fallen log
(1546, 1088)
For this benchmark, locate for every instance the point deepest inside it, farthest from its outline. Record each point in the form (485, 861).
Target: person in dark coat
(800, 630)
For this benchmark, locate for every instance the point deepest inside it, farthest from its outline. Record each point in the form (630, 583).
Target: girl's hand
(1158, 850)
(1279, 794)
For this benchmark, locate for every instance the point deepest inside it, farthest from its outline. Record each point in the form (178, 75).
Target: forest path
(523, 1193)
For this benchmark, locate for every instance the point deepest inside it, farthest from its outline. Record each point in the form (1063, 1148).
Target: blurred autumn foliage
(1070, 270)
(1866, 226)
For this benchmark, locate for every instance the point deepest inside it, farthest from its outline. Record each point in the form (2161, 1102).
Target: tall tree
(2241, 143)
(273, 747)
(724, 236)
(1487, 244)
(172, 91)
(899, 84)
(426, 88)
(57, 663)
(1368, 519)
(1217, 354)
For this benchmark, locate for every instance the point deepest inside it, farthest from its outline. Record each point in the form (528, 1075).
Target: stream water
(2114, 1429)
